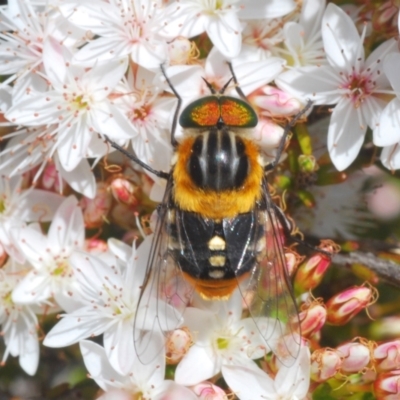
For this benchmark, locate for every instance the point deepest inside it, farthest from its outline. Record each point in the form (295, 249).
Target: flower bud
(387, 386)
(95, 210)
(208, 391)
(344, 306)
(51, 178)
(325, 363)
(312, 318)
(310, 273)
(275, 102)
(124, 191)
(355, 356)
(307, 163)
(95, 246)
(293, 260)
(387, 356)
(177, 344)
(182, 51)
(3, 255)
(268, 135)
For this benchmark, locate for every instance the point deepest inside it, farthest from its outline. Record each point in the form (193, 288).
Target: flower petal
(74, 327)
(97, 364)
(225, 34)
(387, 132)
(81, 178)
(318, 84)
(342, 42)
(345, 134)
(254, 9)
(196, 366)
(249, 383)
(390, 157)
(391, 66)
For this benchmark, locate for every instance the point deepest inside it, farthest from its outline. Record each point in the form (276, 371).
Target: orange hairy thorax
(216, 204)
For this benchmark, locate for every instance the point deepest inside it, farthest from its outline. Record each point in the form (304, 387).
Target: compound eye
(237, 113)
(204, 112)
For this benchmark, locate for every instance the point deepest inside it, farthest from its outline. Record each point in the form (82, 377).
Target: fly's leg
(286, 131)
(160, 174)
(237, 86)
(287, 229)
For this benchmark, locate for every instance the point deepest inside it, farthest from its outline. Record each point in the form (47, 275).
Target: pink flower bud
(182, 51)
(344, 306)
(275, 102)
(95, 210)
(177, 344)
(310, 273)
(292, 261)
(124, 191)
(95, 246)
(387, 386)
(325, 363)
(312, 318)
(387, 356)
(208, 391)
(51, 179)
(355, 356)
(3, 255)
(268, 135)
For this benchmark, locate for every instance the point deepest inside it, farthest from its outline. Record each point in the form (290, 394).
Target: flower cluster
(79, 74)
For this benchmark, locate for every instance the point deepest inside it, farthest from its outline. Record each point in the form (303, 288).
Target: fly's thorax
(217, 173)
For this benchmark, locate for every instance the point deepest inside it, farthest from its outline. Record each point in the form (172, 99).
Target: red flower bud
(387, 386)
(345, 305)
(312, 318)
(387, 356)
(311, 272)
(124, 191)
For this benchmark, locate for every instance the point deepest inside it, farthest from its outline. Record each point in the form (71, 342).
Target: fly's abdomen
(214, 255)
(218, 161)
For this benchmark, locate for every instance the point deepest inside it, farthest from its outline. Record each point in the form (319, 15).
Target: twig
(385, 269)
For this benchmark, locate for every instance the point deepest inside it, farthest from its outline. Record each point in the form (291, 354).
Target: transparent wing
(268, 294)
(164, 293)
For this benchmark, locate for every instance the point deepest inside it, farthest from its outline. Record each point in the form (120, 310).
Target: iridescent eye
(204, 112)
(237, 113)
(208, 111)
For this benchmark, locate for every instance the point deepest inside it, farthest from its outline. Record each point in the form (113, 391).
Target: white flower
(149, 115)
(144, 381)
(49, 255)
(350, 82)
(262, 38)
(36, 149)
(220, 19)
(220, 339)
(24, 31)
(389, 123)
(74, 110)
(19, 206)
(303, 39)
(110, 298)
(126, 28)
(290, 383)
(18, 321)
